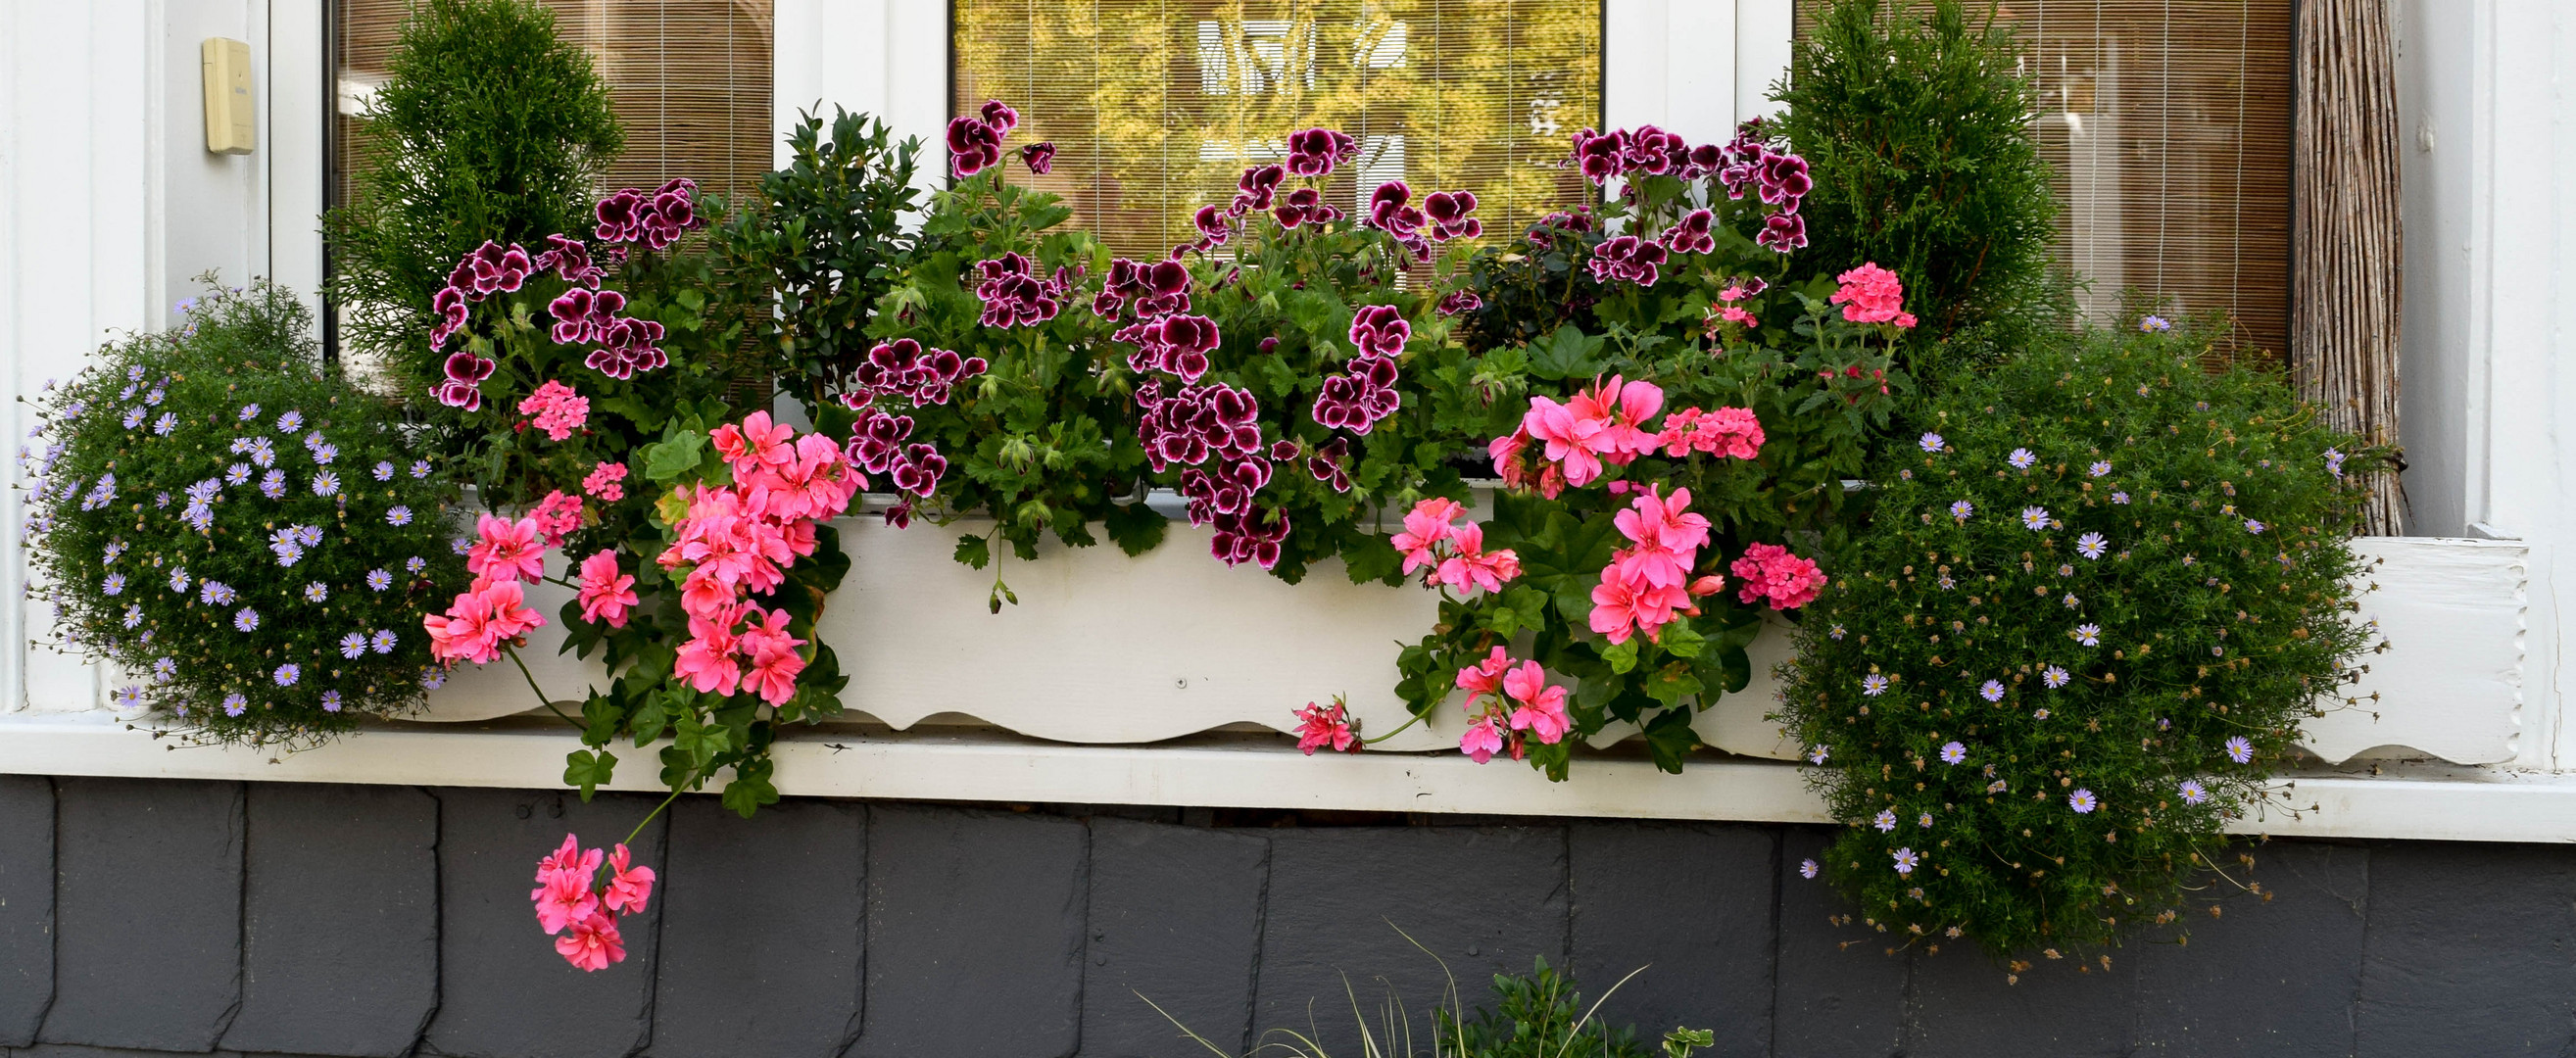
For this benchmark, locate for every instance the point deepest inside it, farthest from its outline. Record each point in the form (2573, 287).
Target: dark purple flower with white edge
(973, 146)
(1600, 156)
(1627, 259)
(1257, 186)
(1303, 206)
(1212, 226)
(1314, 152)
(571, 311)
(1326, 465)
(999, 116)
(1380, 330)
(1449, 212)
(570, 258)
(1653, 150)
(1785, 181)
(1039, 157)
(1783, 232)
(1692, 235)
(467, 368)
(617, 216)
(1457, 301)
(1012, 293)
(1388, 211)
(499, 269)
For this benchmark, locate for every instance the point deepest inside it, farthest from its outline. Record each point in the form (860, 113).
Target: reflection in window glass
(1155, 106)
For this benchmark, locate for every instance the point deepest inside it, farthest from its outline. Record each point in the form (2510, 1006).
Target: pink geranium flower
(507, 550)
(592, 944)
(1667, 536)
(628, 887)
(1735, 433)
(556, 516)
(1870, 294)
(706, 661)
(773, 657)
(1481, 741)
(1319, 727)
(603, 482)
(1483, 677)
(1425, 527)
(479, 622)
(1540, 708)
(557, 410)
(756, 443)
(1473, 566)
(606, 594)
(1769, 571)
(1600, 424)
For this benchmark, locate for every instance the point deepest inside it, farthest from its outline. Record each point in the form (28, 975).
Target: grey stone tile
(1840, 993)
(71, 1050)
(763, 927)
(2472, 950)
(974, 933)
(1965, 1005)
(503, 991)
(1175, 918)
(26, 905)
(1484, 900)
(340, 947)
(2273, 978)
(1692, 904)
(148, 903)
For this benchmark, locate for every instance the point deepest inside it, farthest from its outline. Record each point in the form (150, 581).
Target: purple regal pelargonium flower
(498, 269)
(1314, 152)
(1213, 226)
(973, 146)
(570, 258)
(1360, 396)
(1013, 295)
(1627, 259)
(1160, 288)
(1457, 301)
(1253, 536)
(1692, 234)
(1302, 206)
(1380, 330)
(450, 306)
(1173, 345)
(1256, 190)
(629, 346)
(1197, 423)
(1601, 156)
(1782, 233)
(1039, 157)
(1449, 213)
(902, 368)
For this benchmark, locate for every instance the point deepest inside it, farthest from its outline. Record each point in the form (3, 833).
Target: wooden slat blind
(2168, 122)
(690, 80)
(1155, 106)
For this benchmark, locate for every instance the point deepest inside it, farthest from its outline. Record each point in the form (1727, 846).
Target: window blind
(1156, 106)
(689, 79)
(2168, 124)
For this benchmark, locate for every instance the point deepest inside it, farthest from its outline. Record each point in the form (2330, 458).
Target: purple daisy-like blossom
(2192, 791)
(2092, 545)
(1924, 821)
(247, 413)
(163, 669)
(246, 619)
(216, 593)
(287, 674)
(2021, 458)
(2154, 324)
(420, 468)
(129, 696)
(398, 515)
(290, 422)
(415, 564)
(2088, 634)
(1961, 510)
(1807, 868)
(379, 580)
(1906, 861)
(1819, 753)
(2254, 527)
(2053, 677)
(1885, 821)
(330, 701)
(273, 484)
(162, 426)
(383, 471)
(353, 646)
(2240, 750)
(317, 592)
(326, 483)
(1873, 685)
(2034, 518)
(383, 641)
(235, 704)
(133, 617)
(1953, 752)
(2099, 468)
(1930, 442)
(2083, 802)
(1991, 690)
(133, 418)
(433, 678)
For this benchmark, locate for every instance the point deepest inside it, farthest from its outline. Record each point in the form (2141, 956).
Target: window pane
(1155, 106)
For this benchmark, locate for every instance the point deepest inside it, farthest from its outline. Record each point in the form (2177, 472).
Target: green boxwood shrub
(251, 540)
(2085, 626)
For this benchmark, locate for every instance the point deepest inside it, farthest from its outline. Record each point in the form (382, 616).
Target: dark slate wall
(146, 918)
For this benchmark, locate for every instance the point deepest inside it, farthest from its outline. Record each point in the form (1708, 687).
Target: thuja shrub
(2083, 628)
(219, 515)
(490, 127)
(1915, 120)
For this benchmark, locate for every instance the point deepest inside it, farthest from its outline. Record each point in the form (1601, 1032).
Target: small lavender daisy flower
(2334, 462)
(1991, 690)
(460, 545)
(317, 592)
(166, 423)
(2082, 801)
(1836, 632)
(273, 484)
(2099, 468)
(399, 515)
(2041, 714)
(246, 619)
(1806, 868)
(2193, 792)
(379, 580)
(2021, 459)
(134, 373)
(1953, 753)
(1924, 821)
(2155, 324)
(433, 678)
(133, 616)
(2254, 527)
(1818, 754)
(1961, 509)
(415, 564)
(384, 641)
(2240, 750)
(215, 593)
(133, 418)
(326, 483)
(330, 701)
(2092, 545)
(234, 703)
(2120, 497)
(161, 499)
(384, 471)
(1873, 685)
(290, 422)
(115, 584)
(2053, 677)
(152, 399)
(309, 535)
(420, 468)
(1886, 820)
(353, 646)
(287, 674)
(1930, 442)
(2089, 634)
(324, 453)
(129, 696)
(163, 669)
(2034, 518)
(261, 452)
(1996, 787)
(1906, 860)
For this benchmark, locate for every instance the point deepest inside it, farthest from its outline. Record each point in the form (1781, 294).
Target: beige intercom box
(232, 113)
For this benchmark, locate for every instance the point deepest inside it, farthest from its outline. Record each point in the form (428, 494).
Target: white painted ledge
(2457, 804)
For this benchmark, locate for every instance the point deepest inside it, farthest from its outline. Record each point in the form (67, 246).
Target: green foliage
(1916, 126)
(2187, 584)
(236, 406)
(490, 127)
(825, 240)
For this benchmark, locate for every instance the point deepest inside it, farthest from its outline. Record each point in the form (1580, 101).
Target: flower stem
(648, 816)
(549, 703)
(1399, 729)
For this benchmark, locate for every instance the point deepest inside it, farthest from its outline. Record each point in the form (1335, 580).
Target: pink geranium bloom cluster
(494, 611)
(1511, 704)
(1770, 572)
(1602, 424)
(1727, 311)
(602, 482)
(606, 592)
(1871, 294)
(1648, 584)
(556, 409)
(1434, 539)
(1327, 726)
(570, 901)
(557, 516)
(1734, 433)
(736, 542)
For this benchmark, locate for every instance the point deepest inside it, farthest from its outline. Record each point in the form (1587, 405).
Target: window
(1155, 106)
(690, 80)
(2168, 123)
